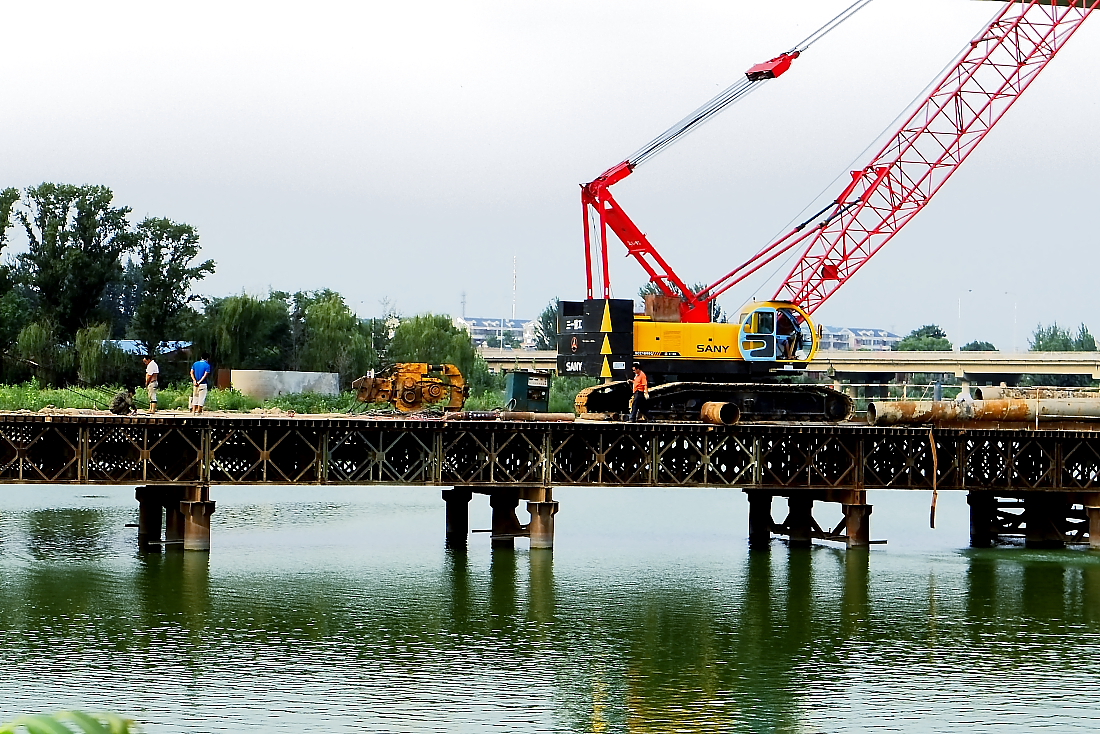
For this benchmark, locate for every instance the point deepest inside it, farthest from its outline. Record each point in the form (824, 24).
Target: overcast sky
(408, 151)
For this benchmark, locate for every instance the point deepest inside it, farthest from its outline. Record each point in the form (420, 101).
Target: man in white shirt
(152, 375)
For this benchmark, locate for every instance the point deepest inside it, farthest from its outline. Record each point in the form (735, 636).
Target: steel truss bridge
(805, 463)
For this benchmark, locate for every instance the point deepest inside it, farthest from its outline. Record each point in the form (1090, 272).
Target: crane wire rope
(733, 93)
(890, 128)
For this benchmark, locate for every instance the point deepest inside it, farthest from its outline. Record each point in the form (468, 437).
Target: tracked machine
(724, 372)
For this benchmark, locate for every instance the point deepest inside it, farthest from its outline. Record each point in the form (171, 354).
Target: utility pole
(513, 287)
(463, 305)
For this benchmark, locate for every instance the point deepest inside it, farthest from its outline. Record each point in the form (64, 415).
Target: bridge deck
(182, 450)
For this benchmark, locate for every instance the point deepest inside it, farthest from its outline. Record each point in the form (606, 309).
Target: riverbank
(33, 397)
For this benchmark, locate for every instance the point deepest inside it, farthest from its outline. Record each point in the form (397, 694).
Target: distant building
(846, 338)
(515, 331)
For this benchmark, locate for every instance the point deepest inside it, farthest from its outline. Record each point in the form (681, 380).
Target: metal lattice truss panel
(99, 450)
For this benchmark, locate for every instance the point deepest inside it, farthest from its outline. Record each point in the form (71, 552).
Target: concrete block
(265, 384)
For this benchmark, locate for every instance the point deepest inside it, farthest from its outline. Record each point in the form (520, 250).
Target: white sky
(409, 150)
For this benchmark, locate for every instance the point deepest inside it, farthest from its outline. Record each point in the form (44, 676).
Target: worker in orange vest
(641, 394)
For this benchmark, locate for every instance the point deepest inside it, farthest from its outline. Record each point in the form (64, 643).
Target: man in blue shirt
(200, 380)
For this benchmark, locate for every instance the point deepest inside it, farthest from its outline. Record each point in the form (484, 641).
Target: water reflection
(69, 533)
(791, 640)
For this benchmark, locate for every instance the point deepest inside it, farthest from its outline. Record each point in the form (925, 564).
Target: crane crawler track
(683, 401)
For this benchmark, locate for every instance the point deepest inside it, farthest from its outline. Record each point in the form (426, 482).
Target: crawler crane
(691, 361)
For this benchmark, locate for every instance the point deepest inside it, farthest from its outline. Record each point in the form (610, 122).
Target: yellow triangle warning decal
(606, 325)
(606, 345)
(606, 371)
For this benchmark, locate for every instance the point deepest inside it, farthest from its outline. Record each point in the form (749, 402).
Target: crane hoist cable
(740, 89)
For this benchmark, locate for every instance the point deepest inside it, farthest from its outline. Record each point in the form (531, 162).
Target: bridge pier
(802, 529)
(541, 527)
(183, 513)
(1093, 514)
(1044, 517)
(505, 526)
(800, 523)
(983, 519)
(458, 516)
(1040, 519)
(857, 525)
(760, 520)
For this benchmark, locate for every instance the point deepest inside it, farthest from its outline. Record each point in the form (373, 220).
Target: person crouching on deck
(123, 403)
(641, 394)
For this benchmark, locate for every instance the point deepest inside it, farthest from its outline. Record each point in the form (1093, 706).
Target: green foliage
(546, 327)
(485, 400)
(433, 339)
(15, 313)
(502, 340)
(95, 356)
(75, 239)
(330, 337)
(563, 392)
(311, 402)
(1054, 338)
(38, 343)
(8, 197)
(33, 396)
(245, 332)
(69, 722)
(978, 346)
(929, 338)
(166, 270)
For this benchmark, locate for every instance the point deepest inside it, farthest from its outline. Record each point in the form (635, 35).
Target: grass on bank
(33, 396)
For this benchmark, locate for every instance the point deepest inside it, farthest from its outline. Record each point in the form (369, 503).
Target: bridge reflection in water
(792, 640)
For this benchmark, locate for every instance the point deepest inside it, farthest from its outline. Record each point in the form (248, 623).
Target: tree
(333, 339)
(121, 299)
(75, 239)
(166, 253)
(38, 343)
(15, 308)
(929, 338)
(8, 197)
(978, 346)
(435, 339)
(1054, 338)
(546, 327)
(245, 332)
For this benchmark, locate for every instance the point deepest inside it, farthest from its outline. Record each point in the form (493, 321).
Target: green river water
(338, 610)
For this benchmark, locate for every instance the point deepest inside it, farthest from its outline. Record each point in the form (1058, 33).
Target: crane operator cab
(776, 331)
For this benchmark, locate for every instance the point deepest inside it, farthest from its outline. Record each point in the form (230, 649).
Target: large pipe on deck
(720, 414)
(1030, 393)
(911, 411)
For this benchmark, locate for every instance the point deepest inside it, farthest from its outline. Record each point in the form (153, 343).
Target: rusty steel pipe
(523, 415)
(1030, 393)
(720, 414)
(910, 411)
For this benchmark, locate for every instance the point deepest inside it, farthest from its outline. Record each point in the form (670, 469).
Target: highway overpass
(973, 365)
